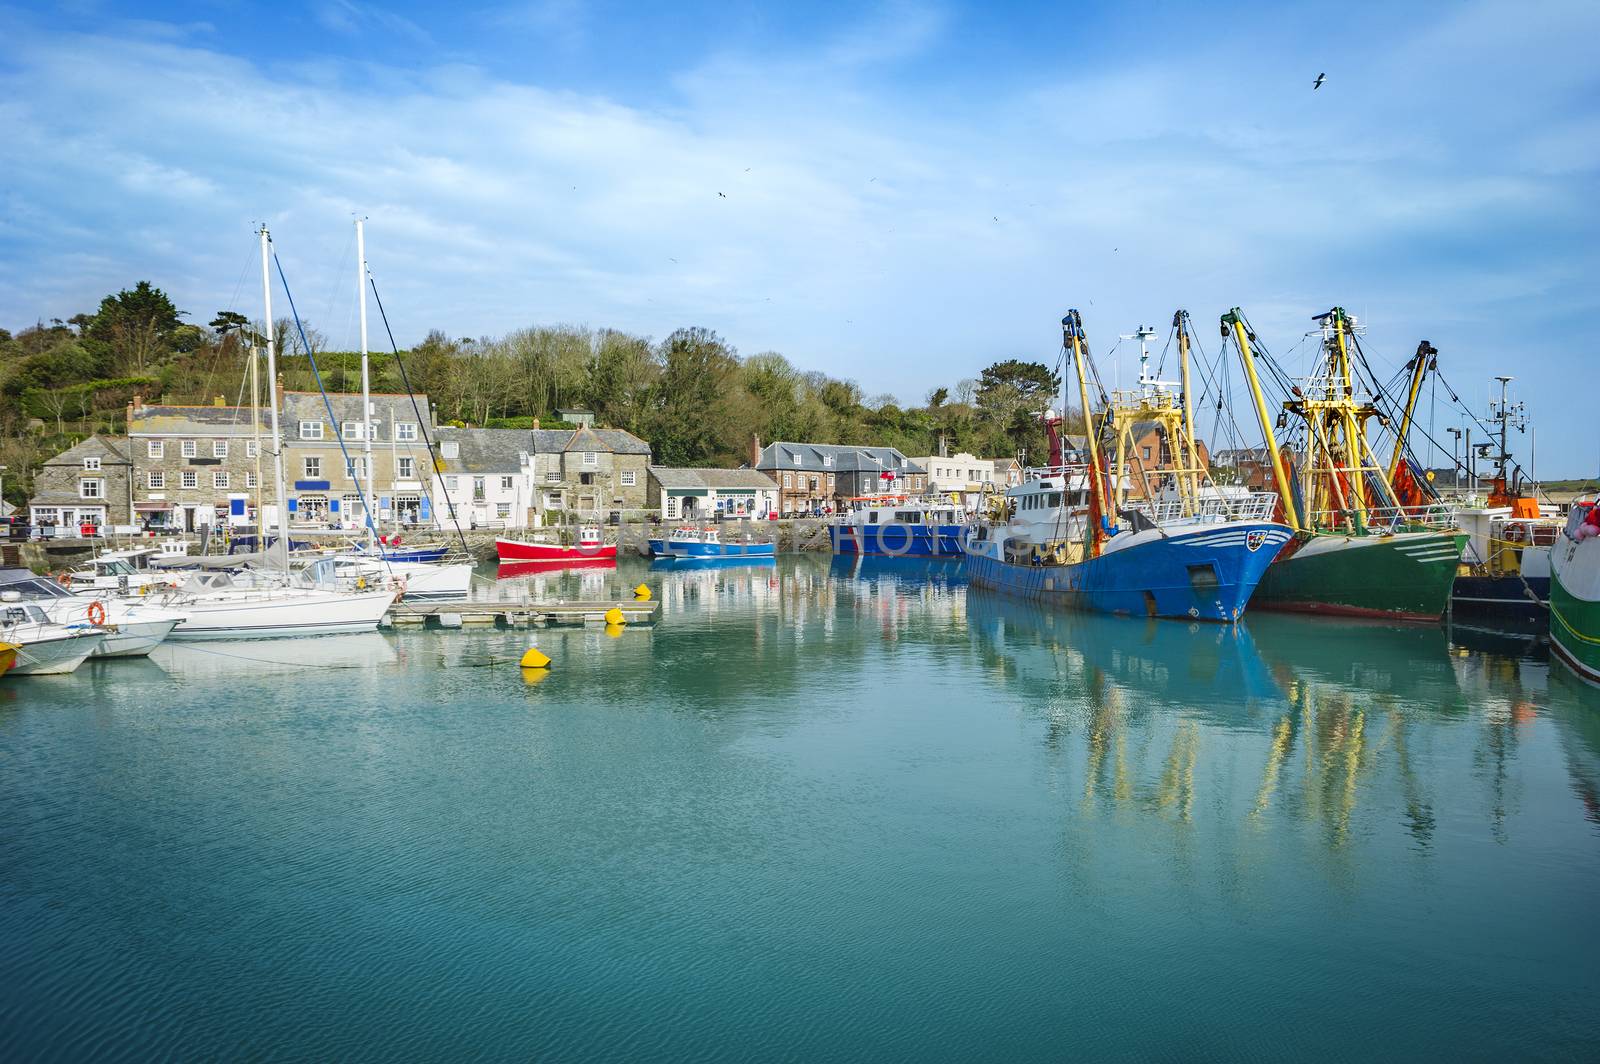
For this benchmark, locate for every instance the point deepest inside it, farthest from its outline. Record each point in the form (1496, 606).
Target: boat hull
(1575, 606)
(688, 549)
(56, 655)
(1519, 600)
(274, 616)
(1407, 576)
(898, 540)
(1207, 574)
(512, 550)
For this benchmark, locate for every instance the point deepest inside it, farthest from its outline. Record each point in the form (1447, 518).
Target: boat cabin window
(907, 517)
(1055, 498)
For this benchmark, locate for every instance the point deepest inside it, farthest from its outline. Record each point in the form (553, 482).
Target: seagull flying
(724, 195)
(1315, 85)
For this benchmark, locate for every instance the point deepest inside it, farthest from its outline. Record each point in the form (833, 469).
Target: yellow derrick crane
(1166, 406)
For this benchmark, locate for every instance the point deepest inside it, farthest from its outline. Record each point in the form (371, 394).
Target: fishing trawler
(1358, 550)
(1070, 537)
(1575, 592)
(898, 526)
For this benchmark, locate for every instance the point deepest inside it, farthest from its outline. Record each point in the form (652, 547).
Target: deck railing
(1255, 506)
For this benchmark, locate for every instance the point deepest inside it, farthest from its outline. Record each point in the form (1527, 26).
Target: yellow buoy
(642, 592)
(613, 630)
(614, 616)
(533, 659)
(535, 676)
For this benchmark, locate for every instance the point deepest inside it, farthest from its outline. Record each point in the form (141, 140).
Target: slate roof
(387, 408)
(485, 450)
(690, 477)
(102, 447)
(846, 458)
(617, 441)
(194, 421)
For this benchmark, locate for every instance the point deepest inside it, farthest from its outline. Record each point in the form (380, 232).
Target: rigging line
(333, 422)
(422, 423)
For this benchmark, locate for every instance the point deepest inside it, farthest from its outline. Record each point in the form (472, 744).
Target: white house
(484, 479)
(963, 474)
(687, 493)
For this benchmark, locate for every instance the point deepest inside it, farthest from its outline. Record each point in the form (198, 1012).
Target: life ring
(64, 578)
(97, 614)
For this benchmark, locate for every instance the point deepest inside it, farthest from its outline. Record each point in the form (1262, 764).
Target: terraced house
(817, 477)
(84, 487)
(325, 459)
(193, 466)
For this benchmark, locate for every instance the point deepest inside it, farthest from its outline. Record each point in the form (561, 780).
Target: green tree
(1010, 397)
(135, 329)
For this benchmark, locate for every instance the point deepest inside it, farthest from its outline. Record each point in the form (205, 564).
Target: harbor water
(847, 810)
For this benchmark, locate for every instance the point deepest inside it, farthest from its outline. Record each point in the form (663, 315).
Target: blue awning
(312, 485)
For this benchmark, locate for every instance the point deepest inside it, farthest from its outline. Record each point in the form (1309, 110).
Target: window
(813, 483)
(827, 459)
(250, 450)
(1146, 451)
(629, 478)
(219, 448)
(788, 480)
(591, 459)
(449, 483)
(502, 510)
(191, 479)
(311, 430)
(407, 468)
(220, 480)
(672, 506)
(553, 477)
(477, 488)
(191, 448)
(506, 484)
(796, 459)
(155, 449)
(313, 468)
(250, 480)
(92, 465)
(156, 479)
(552, 500)
(405, 431)
(355, 468)
(91, 488)
(350, 430)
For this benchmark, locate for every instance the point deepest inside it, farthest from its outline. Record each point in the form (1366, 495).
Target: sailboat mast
(272, 398)
(255, 421)
(366, 380)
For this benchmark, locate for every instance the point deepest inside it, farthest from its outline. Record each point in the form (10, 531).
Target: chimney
(755, 450)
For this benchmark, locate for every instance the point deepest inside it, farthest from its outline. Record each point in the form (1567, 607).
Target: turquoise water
(815, 814)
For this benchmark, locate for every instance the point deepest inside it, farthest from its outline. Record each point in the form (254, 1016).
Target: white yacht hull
(288, 612)
(55, 654)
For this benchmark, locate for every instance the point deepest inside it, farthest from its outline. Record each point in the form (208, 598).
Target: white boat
(425, 581)
(222, 606)
(121, 572)
(44, 648)
(133, 626)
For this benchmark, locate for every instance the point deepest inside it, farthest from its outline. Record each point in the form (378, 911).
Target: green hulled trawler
(1357, 549)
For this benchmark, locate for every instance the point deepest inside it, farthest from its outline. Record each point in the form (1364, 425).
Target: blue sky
(913, 190)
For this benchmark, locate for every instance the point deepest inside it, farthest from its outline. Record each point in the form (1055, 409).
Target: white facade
(961, 474)
(500, 496)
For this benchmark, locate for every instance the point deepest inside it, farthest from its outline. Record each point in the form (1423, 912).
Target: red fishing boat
(591, 547)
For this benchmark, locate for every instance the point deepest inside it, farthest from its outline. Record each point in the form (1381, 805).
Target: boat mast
(1072, 333)
(1180, 321)
(272, 398)
(255, 421)
(1427, 355)
(1355, 435)
(366, 384)
(1234, 320)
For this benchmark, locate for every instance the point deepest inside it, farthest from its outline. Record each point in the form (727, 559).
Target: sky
(899, 193)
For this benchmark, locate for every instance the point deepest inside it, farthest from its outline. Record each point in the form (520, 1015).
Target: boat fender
(614, 617)
(64, 578)
(97, 614)
(532, 658)
(361, 583)
(1107, 527)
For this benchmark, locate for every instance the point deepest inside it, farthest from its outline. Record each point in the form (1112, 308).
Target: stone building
(691, 494)
(817, 477)
(590, 471)
(194, 465)
(87, 486)
(325, 459)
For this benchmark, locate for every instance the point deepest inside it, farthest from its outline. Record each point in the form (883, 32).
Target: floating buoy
(533, 658)
(614, 617)
(613, 630)
(534, 676)
(642, 592)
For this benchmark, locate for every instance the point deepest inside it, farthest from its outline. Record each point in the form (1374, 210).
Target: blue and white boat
(706, 543)
(898, 527)
(1144, 540)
